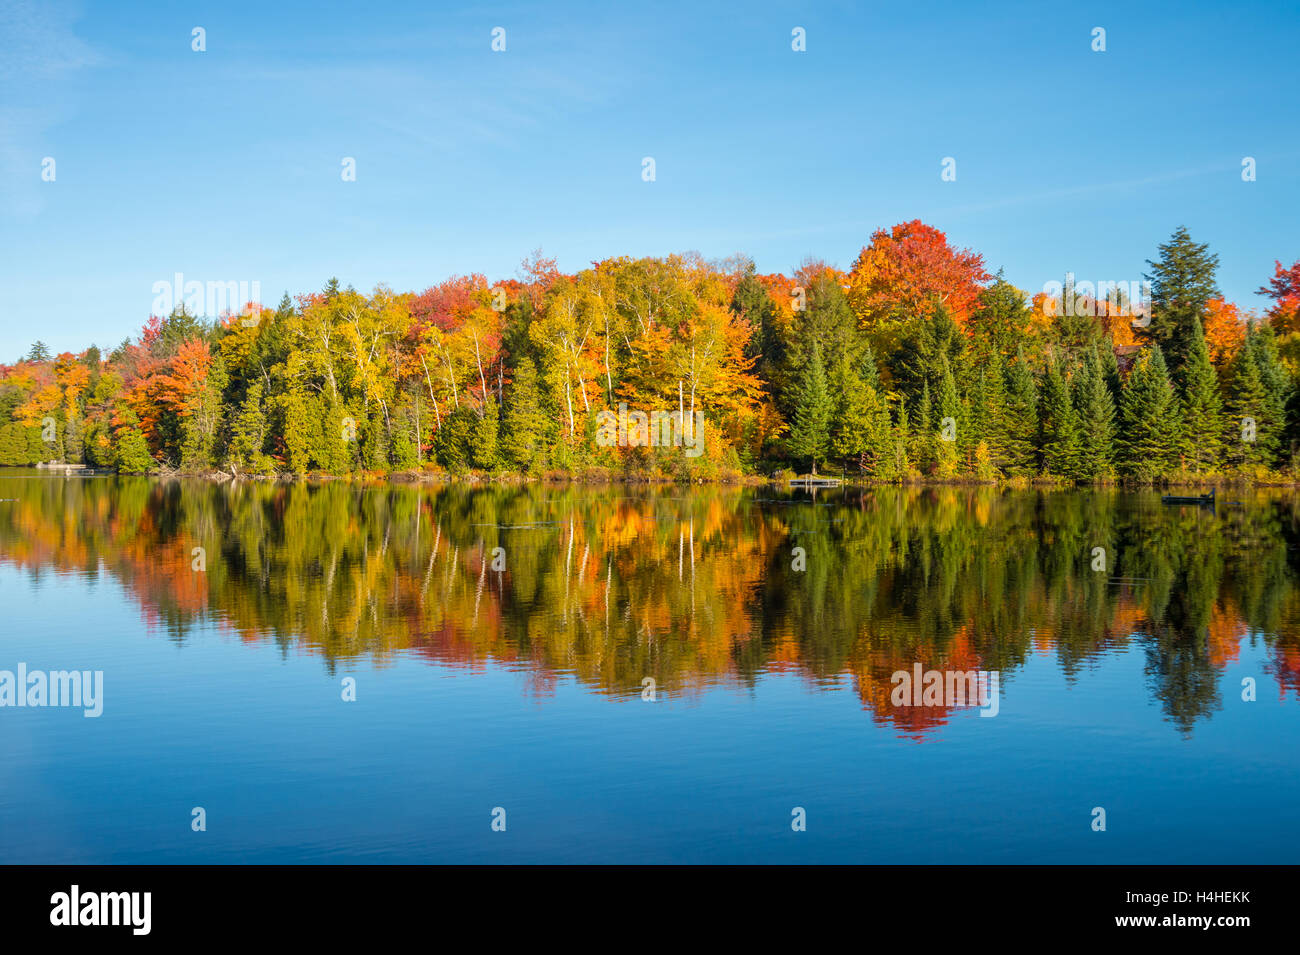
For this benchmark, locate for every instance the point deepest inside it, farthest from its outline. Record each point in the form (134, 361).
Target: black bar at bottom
(299, 903)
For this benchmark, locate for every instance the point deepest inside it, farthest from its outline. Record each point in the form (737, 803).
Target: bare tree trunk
(481, 380)
(432, 398)
(568, 396)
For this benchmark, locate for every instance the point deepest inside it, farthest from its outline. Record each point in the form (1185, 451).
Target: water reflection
(694, 588)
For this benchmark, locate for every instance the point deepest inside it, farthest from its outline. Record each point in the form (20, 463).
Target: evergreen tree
(1021, 420)
(1059, 427)
(1254, 425)
(452, 442)
(949, 412)
(893, 464)
(523, 428)
(133, 455)
(1262, 341)
(373, 446)
(765, 346)
(483, 439)
(1074, 326)
(859, 426)
(1148, 437)
(1201, 409)
(333, 436)
(810, 430)
(13, 445)
(986, 408)
(915, 363)
(1182, 281)
(919, 435)
(1001, 319)
(1096, 409)
(248, 433)
(1110, 370)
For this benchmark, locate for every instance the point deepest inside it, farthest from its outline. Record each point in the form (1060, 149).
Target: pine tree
(853, 438)
(523, 428)
(248, 433)
(1148, 436)
(1272, 372)
(132, 452)
(1182, 281)
(483, 439)
(1021, 419)
(948, 408)
(986, 409)
(920, 446)
(765, 346)
(451, 444)
(13, 445)
(1001, 319)
(332, 434)
(810, 430)
(1096, 411)
(893, 463)
(1059, 428)
(1201, 409)
(1254, 424)
(1110, 370)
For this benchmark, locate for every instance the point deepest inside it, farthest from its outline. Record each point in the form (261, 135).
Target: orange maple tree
(910, 269)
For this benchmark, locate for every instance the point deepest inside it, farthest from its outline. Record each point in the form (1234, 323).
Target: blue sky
(225, 164)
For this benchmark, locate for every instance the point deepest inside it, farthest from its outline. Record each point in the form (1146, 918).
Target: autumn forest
(915, 363)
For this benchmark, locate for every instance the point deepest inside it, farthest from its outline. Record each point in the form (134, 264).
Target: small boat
(1204, 500)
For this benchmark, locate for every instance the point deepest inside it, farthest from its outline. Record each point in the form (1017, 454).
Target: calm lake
(333, 672)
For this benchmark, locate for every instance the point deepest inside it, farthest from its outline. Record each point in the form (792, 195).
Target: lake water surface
(647, 675)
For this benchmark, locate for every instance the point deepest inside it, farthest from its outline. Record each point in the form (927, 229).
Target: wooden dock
(814, 482)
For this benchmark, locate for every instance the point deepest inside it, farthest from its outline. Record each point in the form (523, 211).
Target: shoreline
(599, 478)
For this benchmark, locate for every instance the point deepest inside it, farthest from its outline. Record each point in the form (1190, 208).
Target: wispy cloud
(37, 42)
(37, 49)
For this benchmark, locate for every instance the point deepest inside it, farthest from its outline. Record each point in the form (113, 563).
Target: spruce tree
(1001, 319)
(1182, 281)
(524, 425)
(1148, 436)
(1254, 422)
(810, 430)
(986, 409)
(1021, 420)
(856, 434)
(893, 463)
(1201, 409)
(1096, 410)
(948, 428)
(1272, 372)
(483, 438)
(765, 346)
(451, 444)
(1110, 370)
(248, 433)
(1059, 428)
(132, 450)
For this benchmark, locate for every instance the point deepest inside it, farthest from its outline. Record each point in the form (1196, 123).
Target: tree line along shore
(915, 364)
